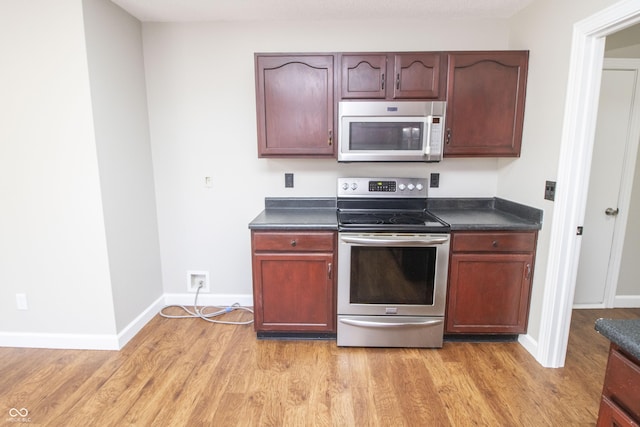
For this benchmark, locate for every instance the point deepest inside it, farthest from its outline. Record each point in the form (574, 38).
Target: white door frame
(576, 147)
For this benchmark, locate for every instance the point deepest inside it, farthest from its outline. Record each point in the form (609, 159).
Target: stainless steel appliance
(381, 131)
(393, 258)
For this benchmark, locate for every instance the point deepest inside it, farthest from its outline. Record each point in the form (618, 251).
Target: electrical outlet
(550, 190)
(288, 180)
(197, 280)
(434, 180)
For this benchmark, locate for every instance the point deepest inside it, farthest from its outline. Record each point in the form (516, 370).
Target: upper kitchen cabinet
(485, 103)
(390, 75)
(295, 105)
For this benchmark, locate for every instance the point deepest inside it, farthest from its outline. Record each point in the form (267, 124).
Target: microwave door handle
(427, 146)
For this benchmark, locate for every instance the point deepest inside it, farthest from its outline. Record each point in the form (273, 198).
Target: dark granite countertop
(297, 214)
(480, 214)
(460, 213)
(623, 332)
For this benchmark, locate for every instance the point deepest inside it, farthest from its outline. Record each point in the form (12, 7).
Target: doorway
(587, 55)
(610, 193)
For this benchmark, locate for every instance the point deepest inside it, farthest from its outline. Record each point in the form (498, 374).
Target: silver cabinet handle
(611, 211)
(370, 324)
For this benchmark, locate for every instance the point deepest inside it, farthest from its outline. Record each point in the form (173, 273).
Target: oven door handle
(370, 324)
(395, 241)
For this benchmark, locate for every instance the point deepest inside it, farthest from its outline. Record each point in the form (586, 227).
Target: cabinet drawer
(493, 242)
(293, 241)
(622, 383)
(612, 416)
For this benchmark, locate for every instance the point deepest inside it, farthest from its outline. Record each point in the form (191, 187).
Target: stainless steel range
(393, 258)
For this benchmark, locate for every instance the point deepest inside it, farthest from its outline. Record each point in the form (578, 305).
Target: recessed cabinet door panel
(294, 292)
(416, 76)
(489, 293)
(485, 104)
(295, 105)
(364, 76)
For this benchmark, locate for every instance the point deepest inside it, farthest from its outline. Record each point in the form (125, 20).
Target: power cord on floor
(200, 312)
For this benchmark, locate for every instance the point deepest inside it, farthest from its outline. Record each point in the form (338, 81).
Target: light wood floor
(192, 373)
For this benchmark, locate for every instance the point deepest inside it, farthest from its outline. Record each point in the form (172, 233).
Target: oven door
(392, 274)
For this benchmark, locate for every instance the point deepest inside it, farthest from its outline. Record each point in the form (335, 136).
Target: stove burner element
(361, 219)
(407, 219)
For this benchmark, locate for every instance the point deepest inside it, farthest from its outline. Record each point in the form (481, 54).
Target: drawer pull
(294, 243)
(494, 243)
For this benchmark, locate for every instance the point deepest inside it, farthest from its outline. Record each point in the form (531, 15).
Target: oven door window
(392, 275)
(386, 136)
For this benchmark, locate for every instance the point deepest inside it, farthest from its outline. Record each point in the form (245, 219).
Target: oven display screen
(384, 186)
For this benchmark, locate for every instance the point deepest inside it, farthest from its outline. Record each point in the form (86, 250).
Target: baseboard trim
(139, 322)
(60, 341)
(82, 341)
(626, 301)
(529, 344)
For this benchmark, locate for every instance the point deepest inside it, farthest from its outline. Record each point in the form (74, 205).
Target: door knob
(611, 211)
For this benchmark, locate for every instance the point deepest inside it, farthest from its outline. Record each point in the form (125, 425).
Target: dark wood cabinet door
(611, 415)
(416, 75)
(364, 76)
(294, 292)
(295, 105)
(489, 293)
(622, 382)
(485, 103)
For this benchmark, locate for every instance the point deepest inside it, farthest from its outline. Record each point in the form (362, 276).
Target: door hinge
(579, 231)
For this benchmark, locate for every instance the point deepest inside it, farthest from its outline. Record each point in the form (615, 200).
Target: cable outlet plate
(197, 279)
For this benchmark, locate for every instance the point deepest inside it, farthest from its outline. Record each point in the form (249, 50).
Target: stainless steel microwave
(388, 131)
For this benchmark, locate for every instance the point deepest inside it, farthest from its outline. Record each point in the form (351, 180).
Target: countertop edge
(307, 213)
(625, 333)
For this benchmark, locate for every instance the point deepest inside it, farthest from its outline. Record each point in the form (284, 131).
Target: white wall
(78, 220)
(52, 240)
(624, 44)
(121, 121)
(201, 91)
(545, 27)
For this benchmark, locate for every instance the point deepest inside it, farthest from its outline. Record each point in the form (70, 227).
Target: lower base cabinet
(294, 281)
(490, 279)
(620, 404)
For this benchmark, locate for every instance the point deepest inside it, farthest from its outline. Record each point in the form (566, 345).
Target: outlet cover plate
(195, 278)
(434, 180)
(288, 180)
(550, 190)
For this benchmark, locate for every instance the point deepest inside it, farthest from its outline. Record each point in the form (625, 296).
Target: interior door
(599, 257)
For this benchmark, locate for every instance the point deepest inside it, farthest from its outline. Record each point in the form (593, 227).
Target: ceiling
(287, 10)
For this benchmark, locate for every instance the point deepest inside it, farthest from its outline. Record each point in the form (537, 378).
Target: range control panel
(383, 187)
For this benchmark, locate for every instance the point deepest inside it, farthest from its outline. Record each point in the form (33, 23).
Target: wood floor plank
(189, 372)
